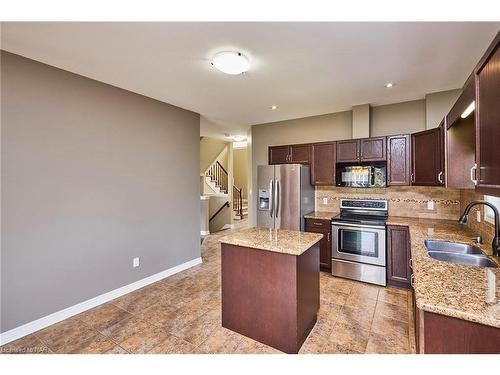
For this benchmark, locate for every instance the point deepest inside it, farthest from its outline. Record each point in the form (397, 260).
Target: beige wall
(92, 176)
(437, 105)
(240, 169)
(210, 148)
(398, 118)
(309, 129)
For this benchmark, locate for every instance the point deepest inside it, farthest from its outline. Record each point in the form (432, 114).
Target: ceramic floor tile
(125, 328)
(364, 290)
(140, 299)
(357, 301)
(388, 326)
(173, 345)
(26, 345)
(353, 338)
(249, 346)
(197, 331)
(96, 344)
(394, 296)
(389, 310)
(160, 314)
(103, 316)
(144, 341)
(356, 317)
(387, 344)
(221, 341)
(65, 335)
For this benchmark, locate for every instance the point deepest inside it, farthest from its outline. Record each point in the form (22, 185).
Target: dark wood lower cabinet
(439, 334)
(270, 297)
(398, 256)
(325, 245)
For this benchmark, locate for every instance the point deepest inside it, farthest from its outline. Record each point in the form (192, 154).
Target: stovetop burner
(361, 219)
(363, 211)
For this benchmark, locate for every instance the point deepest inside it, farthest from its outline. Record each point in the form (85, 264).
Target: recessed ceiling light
(274, 107)
(389, 85)
(231, 62)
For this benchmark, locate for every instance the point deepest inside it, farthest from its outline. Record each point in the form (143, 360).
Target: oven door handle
(337, 224)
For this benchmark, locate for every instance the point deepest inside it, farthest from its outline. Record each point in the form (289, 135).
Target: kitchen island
(270, 285)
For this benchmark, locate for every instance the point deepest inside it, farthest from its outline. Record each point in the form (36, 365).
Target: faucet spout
(496, 240)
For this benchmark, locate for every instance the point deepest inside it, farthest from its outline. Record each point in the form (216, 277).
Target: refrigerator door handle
(271, 198)
(277, 197)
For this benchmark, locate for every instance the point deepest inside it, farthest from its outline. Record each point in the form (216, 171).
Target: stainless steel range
(358, 240)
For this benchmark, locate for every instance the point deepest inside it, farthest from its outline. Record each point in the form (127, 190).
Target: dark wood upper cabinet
(300, 153)
(373, 149)
(398, 256)
(487, 75)
(464, 100)
(398, 160)
(427, 157)
(460, 140)
(290, 154)
(278, 154)
(348, 151)
(323, 163)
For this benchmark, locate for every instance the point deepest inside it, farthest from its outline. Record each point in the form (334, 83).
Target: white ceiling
(304, 68)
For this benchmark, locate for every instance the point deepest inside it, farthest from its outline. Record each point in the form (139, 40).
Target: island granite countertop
(321, 215)
(277, 240)
(464, 292)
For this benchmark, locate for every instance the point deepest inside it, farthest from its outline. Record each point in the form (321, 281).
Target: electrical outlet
(325, 200)
(478, 216)
(135, 262)
(430, 205)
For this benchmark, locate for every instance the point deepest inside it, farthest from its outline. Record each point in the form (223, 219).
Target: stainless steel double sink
(460, 253)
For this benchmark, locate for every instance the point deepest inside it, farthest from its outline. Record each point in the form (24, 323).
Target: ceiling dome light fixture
(238, 138)
(388, 85)
(274, 107)
(231, 62)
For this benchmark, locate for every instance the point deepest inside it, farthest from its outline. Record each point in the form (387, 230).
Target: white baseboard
(58, 316)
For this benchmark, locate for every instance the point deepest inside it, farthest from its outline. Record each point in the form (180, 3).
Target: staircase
(216, 177)
(240, 205)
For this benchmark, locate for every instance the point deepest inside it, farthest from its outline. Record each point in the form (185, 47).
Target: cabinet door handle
(440, 177)
(328, 237)
(412, 280)
(319, 224)
(473, 174)
(412, 177)
(411, 263)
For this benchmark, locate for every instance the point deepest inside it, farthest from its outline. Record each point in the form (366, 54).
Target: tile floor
(182, 314)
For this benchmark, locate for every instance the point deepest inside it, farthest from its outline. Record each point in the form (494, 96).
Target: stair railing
(218, 174)
(226, 204)
(237, 202)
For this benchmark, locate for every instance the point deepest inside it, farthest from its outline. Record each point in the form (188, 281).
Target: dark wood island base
(271, 297)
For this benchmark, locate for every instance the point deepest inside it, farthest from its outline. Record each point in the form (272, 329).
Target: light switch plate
(325, 200)
(430, 205)
(135, 262)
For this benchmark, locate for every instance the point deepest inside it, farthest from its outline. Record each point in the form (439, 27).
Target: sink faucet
(496, 240)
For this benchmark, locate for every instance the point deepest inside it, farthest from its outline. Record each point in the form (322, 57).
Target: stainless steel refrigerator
(285, 195)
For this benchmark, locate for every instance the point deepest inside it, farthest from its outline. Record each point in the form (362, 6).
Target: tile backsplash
(483, 228)
(408, 201)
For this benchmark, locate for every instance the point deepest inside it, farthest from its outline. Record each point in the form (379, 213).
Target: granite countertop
(277, 240)
(321, 215)
(464, 292)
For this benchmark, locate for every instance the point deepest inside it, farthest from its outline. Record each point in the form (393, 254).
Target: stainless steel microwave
(361, 176)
